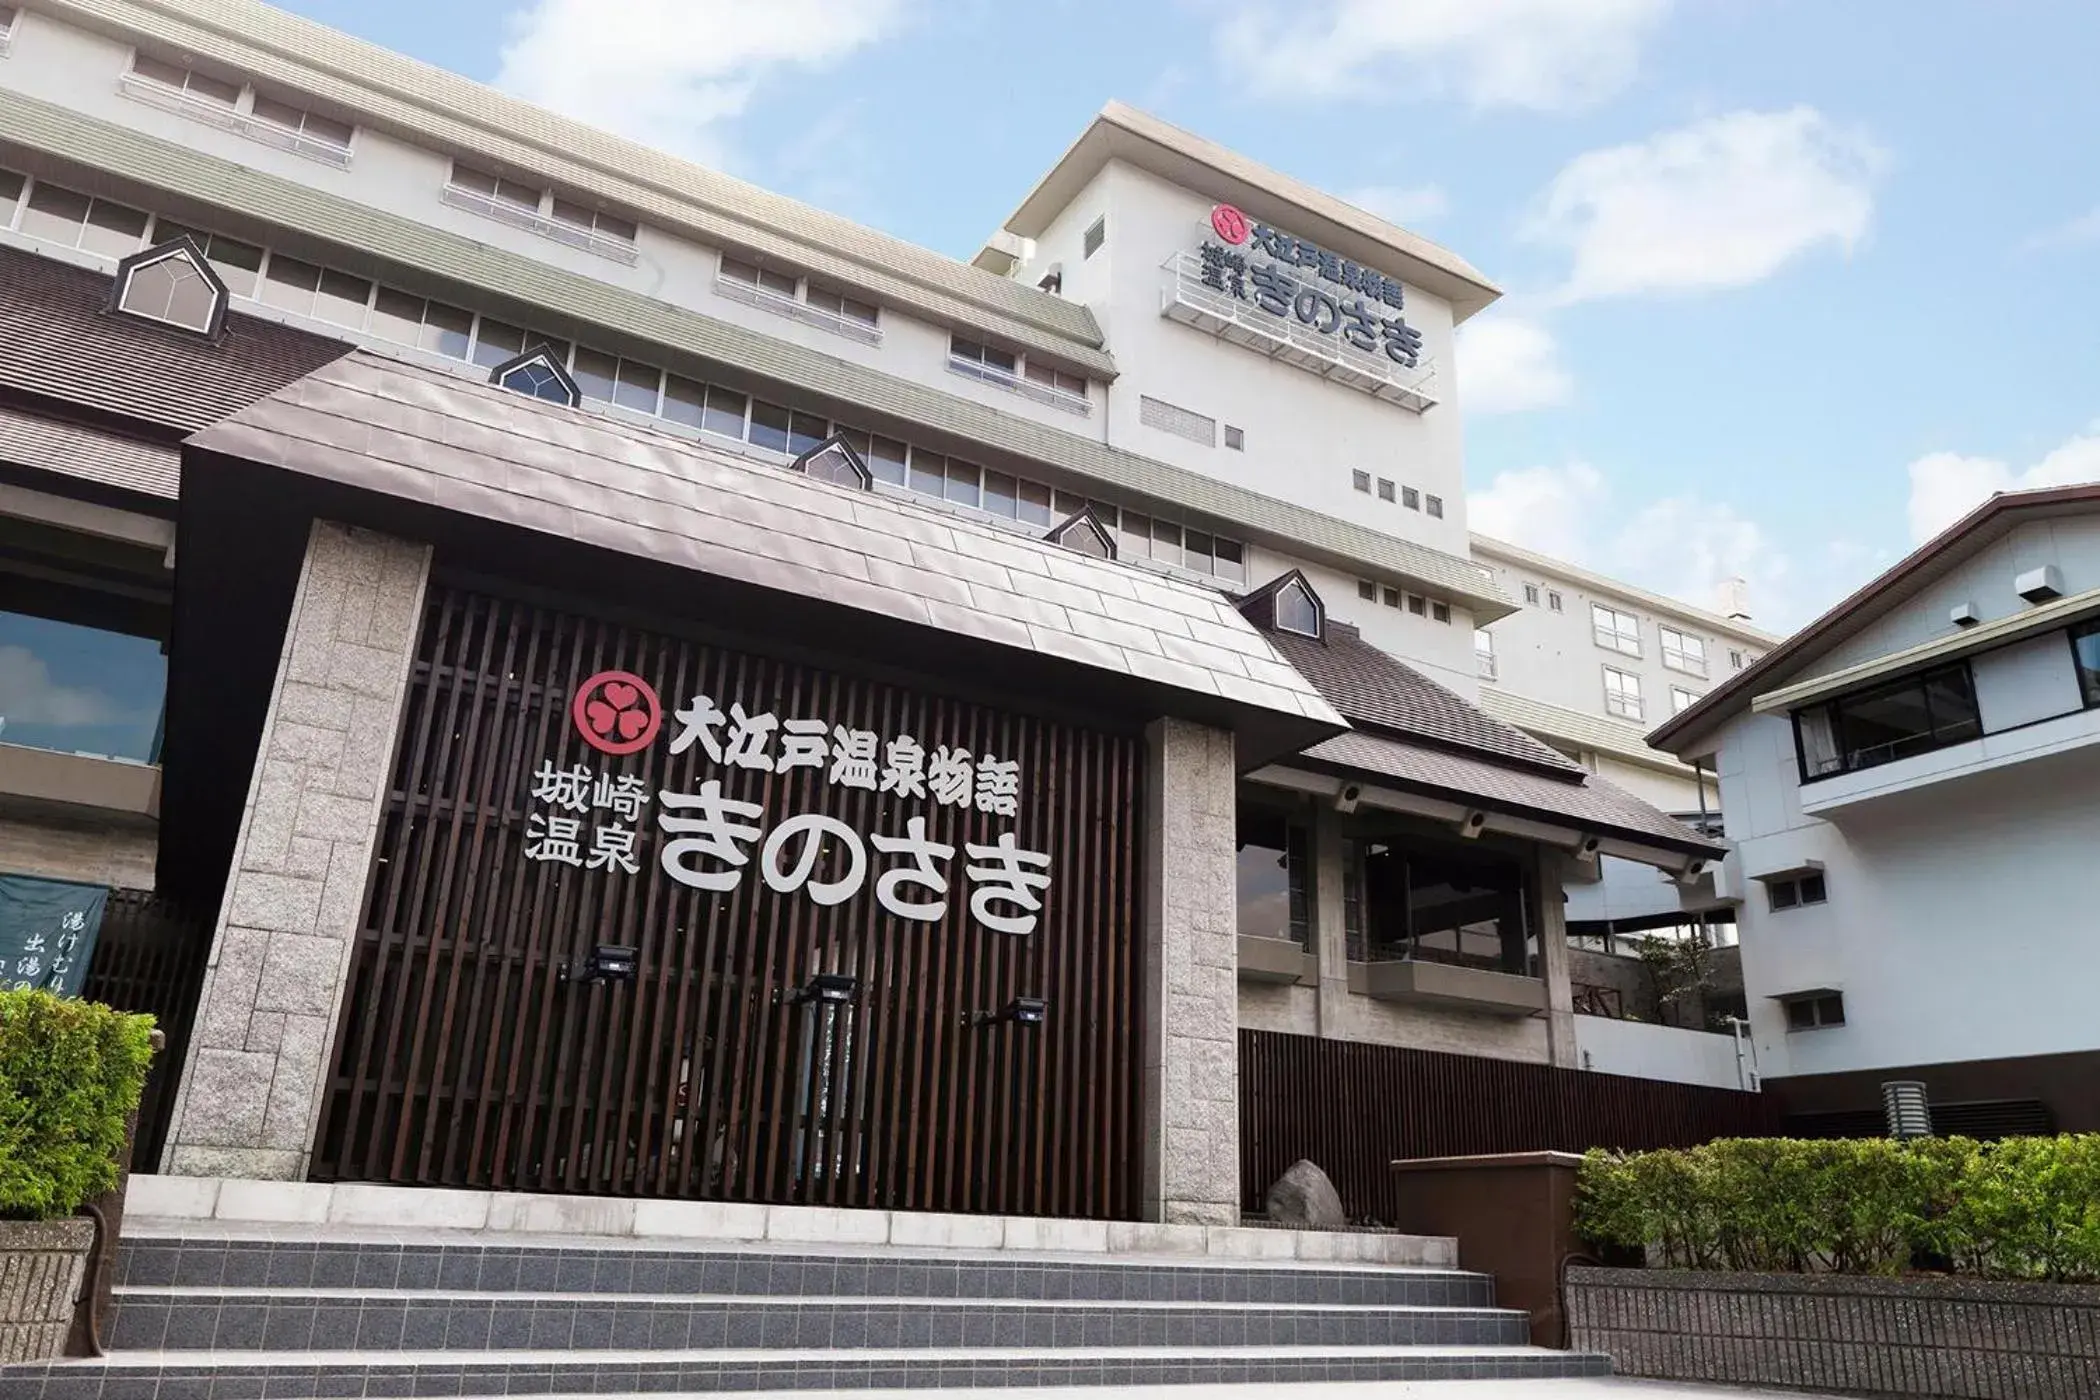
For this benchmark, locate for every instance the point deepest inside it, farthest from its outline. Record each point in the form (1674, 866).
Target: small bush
(70, 1074)
(2025, 1208)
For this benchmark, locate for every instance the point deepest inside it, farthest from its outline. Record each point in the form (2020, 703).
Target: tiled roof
(1592, 805)
(90, 454)
(59, 341)
(1370, 687)
(1611, 736)
(430, 436)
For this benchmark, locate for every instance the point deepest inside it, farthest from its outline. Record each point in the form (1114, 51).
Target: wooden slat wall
(1355, 1108)
(464, 1061)
(149, 956)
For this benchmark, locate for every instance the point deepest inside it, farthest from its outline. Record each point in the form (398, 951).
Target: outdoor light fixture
(608, 962)
(1021, 1011)
(826, 989)
(1909, 1115)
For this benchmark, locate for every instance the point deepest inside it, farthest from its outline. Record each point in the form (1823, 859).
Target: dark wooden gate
(149, 956)
(466, 1058)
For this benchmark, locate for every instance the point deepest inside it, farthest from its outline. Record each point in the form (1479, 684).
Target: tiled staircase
(209, 1312)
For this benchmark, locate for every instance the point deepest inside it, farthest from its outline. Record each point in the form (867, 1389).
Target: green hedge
(2025, 1208)
(70, 1074)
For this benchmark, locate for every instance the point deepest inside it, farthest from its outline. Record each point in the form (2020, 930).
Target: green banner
(47, 933)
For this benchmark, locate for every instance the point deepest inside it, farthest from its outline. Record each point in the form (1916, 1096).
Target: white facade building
(1907, 783)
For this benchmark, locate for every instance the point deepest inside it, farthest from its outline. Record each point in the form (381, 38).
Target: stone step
(319, 1375)
(487, 1263)
(179, 1319)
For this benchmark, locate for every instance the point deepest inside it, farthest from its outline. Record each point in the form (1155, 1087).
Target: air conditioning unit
(2040, 585)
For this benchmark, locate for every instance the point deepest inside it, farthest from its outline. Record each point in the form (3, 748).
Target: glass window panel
(79, 689)
(10, 196)
(886, 459)
(1196, 551)
(805, 431)
(1393, 598)
(239, 265)
(613, 226)
(214, 89)
(1066, 503)
(289, 284)
(568, 211)
(780, 283)
(737, 270)
(396, 316)
(115, 229)
(1166, 542)
(769, 425)
(342, 299)
(447, 330)
(929, 473)
(1002, 360)
(55, 213)
(159, 70)
(1417, 605)
(468, 177)
(172, 290)
(277, 113)
(1953, 703)
(1000, 495)
(1264, 875)
(1296, 611)
(594, 373)
(639, 388)
(684, 401)
(1136, 539)
(962, 486)
(517, 195)
(1231, 561)
(494, 341)
(2085, 648)
(1108, 515)
(1035, 506)
(1876, 729)
(725, 413)
(336, 133)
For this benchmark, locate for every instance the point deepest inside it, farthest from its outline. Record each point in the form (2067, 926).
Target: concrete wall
(93, 851)
(1658, 1052)
(250, 1099)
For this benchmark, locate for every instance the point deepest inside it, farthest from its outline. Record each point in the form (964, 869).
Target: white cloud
(1682, 546)
(670, 73)
(28, 695)
(1721, 203)
(2069, 234)
(1508, 364)
(1402, 205)
(1945, 486)
(1547, 55)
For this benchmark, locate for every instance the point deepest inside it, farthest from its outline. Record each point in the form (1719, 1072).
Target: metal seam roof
(1573, 726)
(157, 164)
(460, 116)
(89, 454)
(1656, 602)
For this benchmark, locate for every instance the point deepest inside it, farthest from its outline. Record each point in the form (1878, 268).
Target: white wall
(1657, 1052)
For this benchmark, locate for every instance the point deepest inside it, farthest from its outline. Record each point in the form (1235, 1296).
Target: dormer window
(835, 461)
(1082, 533)
(1298, 609)
(537, 374)
(174, 285)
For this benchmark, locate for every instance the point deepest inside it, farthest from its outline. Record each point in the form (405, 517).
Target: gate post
(1192, 1152)
(287, 927)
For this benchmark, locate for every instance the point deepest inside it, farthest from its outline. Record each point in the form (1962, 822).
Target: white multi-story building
(1908, 786)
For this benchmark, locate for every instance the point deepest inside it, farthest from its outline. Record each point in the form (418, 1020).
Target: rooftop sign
(1291, 277)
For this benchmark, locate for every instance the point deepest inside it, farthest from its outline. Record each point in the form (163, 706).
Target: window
(7, 28)
(845, 307)
(1410, 498)
(174, 285)
(1899, 720)
(537, 376)
(297, 121)
(281, 121)
(1815, 1011)
(1367, 590)
(1531, 594)
(1274, 876)
(1297, 610)
(60, 215)
(1006, 369)
(1442, 900)
(1622, 693)
(763, 278)
(834, 460)
(200, 87)
(1170, 418)
(1552, 601)
(1096, 235)
(1614, 630)
(1735, 661)
(239, 265)
(1235, 439)
(1435, 506)
(1797, 890)
(1392, 596)
(528, 206)
(1683, 652)
(1051, 377)
(1385, 489)
(1418, 605)
(1361, 481)
(2085, 655)
(1082, 533)
(1440, 612)
(1484, 652)
(1681, 699)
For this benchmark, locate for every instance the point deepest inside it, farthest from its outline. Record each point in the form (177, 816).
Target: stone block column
(250, 1099)
(1553, 960)
(1330, 919)
(1192, 1138)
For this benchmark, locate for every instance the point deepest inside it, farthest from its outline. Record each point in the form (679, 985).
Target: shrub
(70, 1074)
(2025, 1208)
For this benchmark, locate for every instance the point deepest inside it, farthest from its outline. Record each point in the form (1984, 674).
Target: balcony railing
(1186, 298)
(1486, 661)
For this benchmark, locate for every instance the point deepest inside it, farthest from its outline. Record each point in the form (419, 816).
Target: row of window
(1622, 695)
(1621, 632)
(240, 107)
(1394, 597)
(1389, 490)
(59, 215)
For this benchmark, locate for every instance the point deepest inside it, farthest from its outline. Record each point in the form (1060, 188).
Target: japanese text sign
(47, 933)
(1292, 279)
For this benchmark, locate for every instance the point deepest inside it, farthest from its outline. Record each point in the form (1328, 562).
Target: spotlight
(1021, 1011)
(825, 989)
(608, 962)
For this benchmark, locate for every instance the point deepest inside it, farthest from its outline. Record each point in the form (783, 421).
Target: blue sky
(1791, 283)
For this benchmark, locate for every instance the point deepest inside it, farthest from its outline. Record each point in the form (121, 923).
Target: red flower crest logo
(1229, 224)
(617, 712)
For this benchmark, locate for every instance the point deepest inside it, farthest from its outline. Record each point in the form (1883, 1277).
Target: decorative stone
(42, 1264)
(1305, 1198)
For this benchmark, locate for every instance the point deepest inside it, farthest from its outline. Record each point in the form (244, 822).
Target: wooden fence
(150, 957)
(1354, 1108)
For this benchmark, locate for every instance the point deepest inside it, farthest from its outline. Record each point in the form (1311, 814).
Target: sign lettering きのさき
(1356, 314)
(711, 837)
